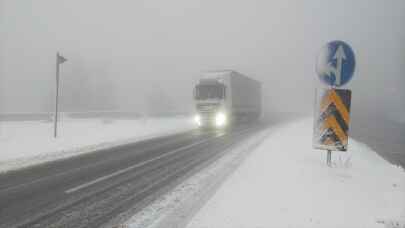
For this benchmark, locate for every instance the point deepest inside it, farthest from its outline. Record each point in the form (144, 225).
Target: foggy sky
(122, 53)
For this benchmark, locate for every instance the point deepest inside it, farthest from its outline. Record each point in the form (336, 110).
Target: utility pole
(59, 60)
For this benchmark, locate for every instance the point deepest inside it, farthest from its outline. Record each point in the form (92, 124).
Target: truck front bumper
(212, 119)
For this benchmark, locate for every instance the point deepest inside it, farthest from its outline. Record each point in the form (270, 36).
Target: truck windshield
(203, 92)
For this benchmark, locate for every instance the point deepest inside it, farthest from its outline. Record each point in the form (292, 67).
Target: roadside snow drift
(24, 143)
(285, 183)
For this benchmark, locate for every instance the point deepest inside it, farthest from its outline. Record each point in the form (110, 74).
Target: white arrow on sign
(329, 69)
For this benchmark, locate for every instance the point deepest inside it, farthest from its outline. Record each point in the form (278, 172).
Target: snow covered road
(285, 183)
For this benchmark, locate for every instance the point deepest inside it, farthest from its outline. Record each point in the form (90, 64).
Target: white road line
(59, 174)
(85, 185)
(78, 168)
(55, 175)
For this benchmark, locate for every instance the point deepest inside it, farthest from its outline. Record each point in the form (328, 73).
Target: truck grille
(206, 107)
(207, 118)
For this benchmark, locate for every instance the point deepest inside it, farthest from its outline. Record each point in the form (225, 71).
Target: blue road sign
(336, 63)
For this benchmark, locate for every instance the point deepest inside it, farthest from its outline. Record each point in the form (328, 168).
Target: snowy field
(285, 183)
(25, 143)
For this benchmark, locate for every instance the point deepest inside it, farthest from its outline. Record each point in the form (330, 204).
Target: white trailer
(225, 97)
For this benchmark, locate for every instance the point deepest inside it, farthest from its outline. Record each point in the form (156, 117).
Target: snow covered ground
(24, 143)
(285, 183)
(176, 207)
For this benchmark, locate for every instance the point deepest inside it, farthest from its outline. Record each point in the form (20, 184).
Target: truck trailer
(226, 97)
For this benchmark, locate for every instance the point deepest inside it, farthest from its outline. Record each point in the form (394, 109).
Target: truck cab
(210, 95)
(224, 97)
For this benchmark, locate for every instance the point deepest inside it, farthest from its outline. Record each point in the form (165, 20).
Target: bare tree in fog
(87, 89)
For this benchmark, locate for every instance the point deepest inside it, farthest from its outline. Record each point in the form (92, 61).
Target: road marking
(11, 188)
(97, 163)
(85, 185)
(121, 171)
(59, 174)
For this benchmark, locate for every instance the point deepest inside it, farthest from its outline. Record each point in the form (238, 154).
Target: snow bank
(176, 207)
(25, 143)
(285, 183)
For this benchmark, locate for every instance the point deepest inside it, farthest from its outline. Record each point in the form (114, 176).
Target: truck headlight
(220, 119)
(197, 120)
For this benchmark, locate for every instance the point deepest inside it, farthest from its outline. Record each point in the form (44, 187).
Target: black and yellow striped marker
(332, 120)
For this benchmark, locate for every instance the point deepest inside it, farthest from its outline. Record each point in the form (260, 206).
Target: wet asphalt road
(91, 189)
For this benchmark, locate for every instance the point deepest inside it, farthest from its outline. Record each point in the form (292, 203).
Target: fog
(125, 55)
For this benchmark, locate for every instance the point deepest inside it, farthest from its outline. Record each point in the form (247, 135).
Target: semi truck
(225, 97)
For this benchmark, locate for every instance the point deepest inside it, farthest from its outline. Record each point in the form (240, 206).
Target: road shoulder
(178, 206)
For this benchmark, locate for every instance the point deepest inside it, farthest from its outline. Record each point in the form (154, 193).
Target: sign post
(329, 158)
(335, 68)
(59, 60)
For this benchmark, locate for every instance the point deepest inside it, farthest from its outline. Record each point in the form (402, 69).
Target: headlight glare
(220, 119)
(197, 119)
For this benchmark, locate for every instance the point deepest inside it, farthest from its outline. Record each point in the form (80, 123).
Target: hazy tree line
(93, 89)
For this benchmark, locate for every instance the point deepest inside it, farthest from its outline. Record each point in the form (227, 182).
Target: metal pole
(57, 97)
(329, 158)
